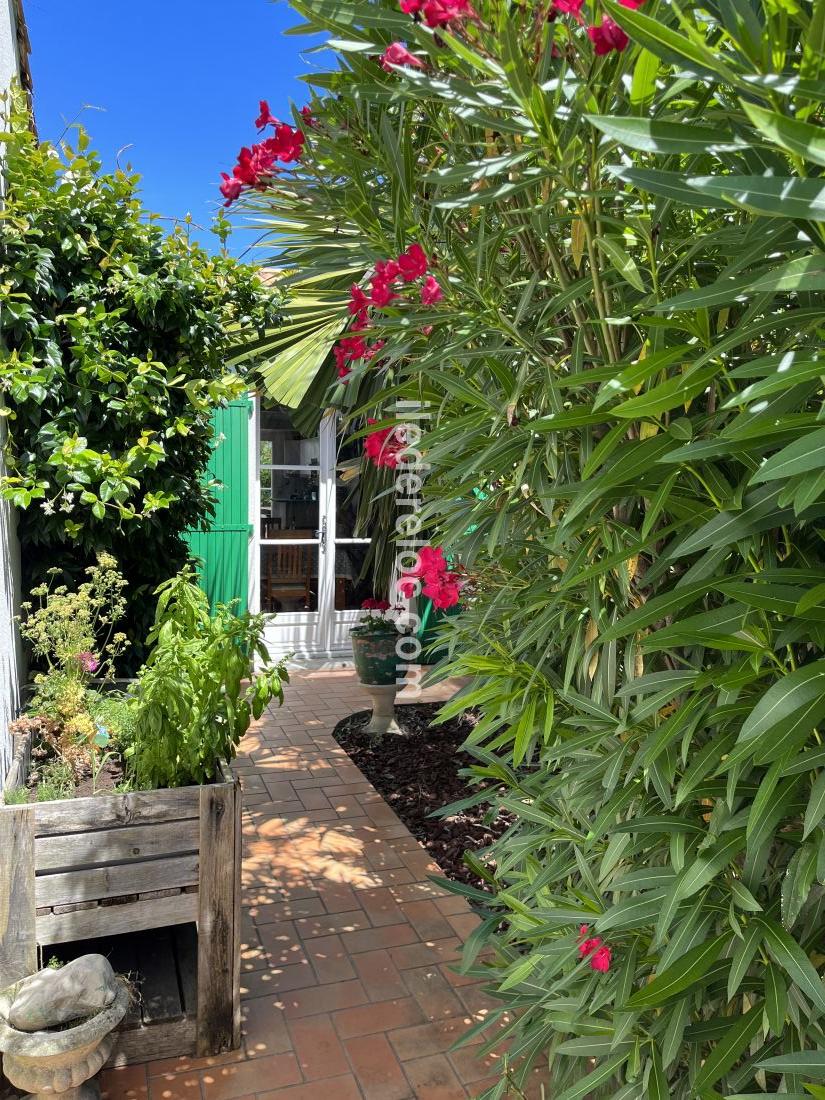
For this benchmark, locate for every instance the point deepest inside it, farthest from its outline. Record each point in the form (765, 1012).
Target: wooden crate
(84, 868)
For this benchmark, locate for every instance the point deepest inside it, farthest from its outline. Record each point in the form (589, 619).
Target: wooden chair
(288, 576)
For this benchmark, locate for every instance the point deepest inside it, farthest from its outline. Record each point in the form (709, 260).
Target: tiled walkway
(347, 986)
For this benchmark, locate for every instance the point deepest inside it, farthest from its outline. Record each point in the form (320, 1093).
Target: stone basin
(60, 1063)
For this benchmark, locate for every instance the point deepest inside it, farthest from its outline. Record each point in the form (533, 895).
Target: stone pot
(376, 660)
(51, 1064)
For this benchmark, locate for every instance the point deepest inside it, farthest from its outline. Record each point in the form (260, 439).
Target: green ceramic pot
(376, 661)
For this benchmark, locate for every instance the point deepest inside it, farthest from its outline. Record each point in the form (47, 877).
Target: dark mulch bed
(417, 772)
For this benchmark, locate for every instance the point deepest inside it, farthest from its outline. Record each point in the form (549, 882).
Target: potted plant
(375, 641)
(162, 846)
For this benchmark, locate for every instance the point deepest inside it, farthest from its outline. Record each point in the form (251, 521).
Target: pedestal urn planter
(376, 662)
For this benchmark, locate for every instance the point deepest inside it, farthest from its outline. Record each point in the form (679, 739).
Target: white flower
(47, 507)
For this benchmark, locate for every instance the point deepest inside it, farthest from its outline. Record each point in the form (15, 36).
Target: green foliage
(199, 690)
(15, 797)
(116, 342)
(55, 781)
(627, 363)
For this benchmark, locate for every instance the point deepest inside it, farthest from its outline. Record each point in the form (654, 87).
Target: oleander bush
(622, 208)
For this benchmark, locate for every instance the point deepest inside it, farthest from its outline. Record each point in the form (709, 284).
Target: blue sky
(177, 80)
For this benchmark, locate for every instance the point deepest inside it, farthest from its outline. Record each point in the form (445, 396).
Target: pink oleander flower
(87, 661)
(412, 264)
(607, 36)
(398, 54)
(230, 188)
(431, 291)
(438, 13)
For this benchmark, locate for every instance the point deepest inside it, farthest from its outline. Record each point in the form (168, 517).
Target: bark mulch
(417, 772)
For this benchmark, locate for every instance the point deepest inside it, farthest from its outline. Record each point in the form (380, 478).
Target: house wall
(11, 661)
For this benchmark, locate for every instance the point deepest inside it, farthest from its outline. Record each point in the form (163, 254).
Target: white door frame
(323, 633)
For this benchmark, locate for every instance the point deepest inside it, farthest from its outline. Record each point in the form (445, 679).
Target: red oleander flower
(431, 291)
(265, 118)
(387, 270)
(601, 959)
(568, 7)
(382, 292)
(410, 7)
(287, 144)
(358, 299)
(444, 593)
(632, 4)
(306, 115)
(441, 585)
(412, 264)
(438, 13)
(398, 54)
(230, 188)
(588, 945)
(383, 446)
(607, 36)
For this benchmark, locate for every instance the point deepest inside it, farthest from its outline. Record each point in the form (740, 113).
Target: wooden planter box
(85, 868)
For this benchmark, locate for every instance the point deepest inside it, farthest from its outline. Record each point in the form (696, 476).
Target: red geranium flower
(375, 605)
(413, 263)
(431, 291)
(607, 36)
(265, 118)
(398, 54)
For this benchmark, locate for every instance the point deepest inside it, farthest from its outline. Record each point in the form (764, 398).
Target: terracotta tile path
(347, 986)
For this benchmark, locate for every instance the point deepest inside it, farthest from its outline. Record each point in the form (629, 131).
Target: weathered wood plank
(112, 920)
(144, 1044)
(18, 772)
(94, 883)
(18, 944)
(160, 993)
(106, 811)
(185, 938)
(216, 920)
(136, 842)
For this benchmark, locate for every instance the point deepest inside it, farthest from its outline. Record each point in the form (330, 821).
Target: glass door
(308, 555)
(347, 562)
(291, 491)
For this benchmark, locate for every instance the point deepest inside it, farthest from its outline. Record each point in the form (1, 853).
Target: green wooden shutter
(223, 549)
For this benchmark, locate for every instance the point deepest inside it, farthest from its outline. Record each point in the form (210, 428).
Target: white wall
(10, 656)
